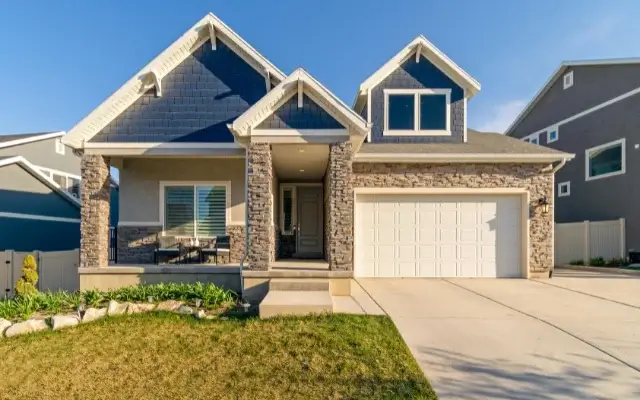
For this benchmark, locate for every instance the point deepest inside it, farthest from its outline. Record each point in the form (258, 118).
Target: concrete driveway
(520, 339)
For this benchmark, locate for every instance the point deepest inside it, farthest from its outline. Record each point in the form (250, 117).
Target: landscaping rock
(4, 324)
(140, 308)
(184, 310)
(169, 305)
(115, 308)
(93, 314)
(28, 326)
(200, 314)
(63, 321)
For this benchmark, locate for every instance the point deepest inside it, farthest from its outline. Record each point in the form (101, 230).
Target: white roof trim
(164, 63)
(556, 74)
(433, 54)
(257, 113)
(30, 139)
(39, 175)
(452, 157)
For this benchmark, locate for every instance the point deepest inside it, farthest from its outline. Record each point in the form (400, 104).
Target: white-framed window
(553, 134)
(287, 209)
(606, 160)
(195, 209)
(411, 112)
(567, 80)
(564, 189)
(69, 182)
(59, 146)
(532, 138)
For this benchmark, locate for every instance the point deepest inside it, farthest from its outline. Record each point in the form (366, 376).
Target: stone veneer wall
(339, 212)
(136, 245)
(94, 212)
(528, 176)
(261, 251)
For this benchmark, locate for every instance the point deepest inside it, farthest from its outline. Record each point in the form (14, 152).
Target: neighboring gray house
(212, 139)
(591, 108)
(39, 193)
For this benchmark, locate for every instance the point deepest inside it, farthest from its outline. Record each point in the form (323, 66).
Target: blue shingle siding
(363, 113)
(309, 116)
(422, 75)
(28, 234)
(208, 90)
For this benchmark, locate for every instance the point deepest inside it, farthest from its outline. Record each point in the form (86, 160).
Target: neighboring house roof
(299, 80)
(421, 46)
(27, 166)
(480, 146)
(208, 28)
(22, 138)
(559, 72)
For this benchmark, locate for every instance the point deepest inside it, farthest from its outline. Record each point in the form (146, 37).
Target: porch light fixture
(543, 203)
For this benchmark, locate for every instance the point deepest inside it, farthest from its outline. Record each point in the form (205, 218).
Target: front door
(310, 228)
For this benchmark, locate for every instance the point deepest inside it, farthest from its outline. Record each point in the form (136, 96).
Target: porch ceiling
(300, 162)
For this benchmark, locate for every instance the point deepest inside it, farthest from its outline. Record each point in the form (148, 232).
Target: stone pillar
(340, 213)
(259, 208)
(94, 213)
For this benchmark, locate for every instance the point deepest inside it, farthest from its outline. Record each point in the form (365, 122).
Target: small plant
(93, 298)
(616, 262)
(26, 285)
(577, 262)
(597, 262)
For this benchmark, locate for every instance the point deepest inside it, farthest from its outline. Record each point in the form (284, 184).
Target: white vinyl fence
(57, 270)
(589, 239)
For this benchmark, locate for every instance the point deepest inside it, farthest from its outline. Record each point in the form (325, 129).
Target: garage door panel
(438, 236)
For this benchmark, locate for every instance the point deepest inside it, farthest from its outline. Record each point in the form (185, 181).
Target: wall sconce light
(543, 203)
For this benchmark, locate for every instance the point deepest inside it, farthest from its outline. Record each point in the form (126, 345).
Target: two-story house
(590, 108)
(39, 193)
(211, 139)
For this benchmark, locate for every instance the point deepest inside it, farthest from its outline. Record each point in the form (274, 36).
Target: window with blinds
(195, 210)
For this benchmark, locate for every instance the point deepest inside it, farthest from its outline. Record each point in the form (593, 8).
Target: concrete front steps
(301, 296)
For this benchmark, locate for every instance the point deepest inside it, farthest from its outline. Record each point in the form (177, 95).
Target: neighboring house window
(564, 189)
(605, 160)
(533, 139)
(68, 182)
(287, 210)
(59, 146)
(60, 180)
(195, 210)
(417, 112)
(46, 172)
(552, 134)
(567, 80)
(73, 187)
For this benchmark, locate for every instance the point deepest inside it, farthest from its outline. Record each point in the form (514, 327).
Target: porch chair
(167, 245)
(221, 246)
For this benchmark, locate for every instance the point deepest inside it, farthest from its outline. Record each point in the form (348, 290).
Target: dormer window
(417, 112)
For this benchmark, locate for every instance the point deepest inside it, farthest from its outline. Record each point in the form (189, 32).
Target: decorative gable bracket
(212, 34)
(152, 79)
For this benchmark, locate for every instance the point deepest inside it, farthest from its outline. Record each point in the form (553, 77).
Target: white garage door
(438, 236)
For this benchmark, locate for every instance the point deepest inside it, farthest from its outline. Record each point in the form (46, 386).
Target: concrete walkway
(515, 339)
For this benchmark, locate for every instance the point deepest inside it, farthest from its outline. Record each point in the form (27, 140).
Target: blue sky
(60, 59)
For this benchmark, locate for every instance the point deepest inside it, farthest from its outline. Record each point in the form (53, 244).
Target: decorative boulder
(169, 305)
(28, 326)
(4, 324)
(200, 314)
(93, 314)
(63, 321)
(115, 308)
(184, 310)
(140, 308)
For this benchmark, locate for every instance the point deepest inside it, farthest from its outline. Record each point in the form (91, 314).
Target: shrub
(616, 262)
(577, 262)
(26, 285)
(597, 262)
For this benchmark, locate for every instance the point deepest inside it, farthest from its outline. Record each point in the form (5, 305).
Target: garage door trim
(524, 207)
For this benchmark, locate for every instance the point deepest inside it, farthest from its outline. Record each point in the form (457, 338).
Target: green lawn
(167, 356)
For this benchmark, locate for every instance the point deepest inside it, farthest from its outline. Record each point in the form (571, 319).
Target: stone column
(259, 188)
(340, 213)
(94, 212)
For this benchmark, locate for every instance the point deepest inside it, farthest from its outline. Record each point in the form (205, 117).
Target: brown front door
(310, 228)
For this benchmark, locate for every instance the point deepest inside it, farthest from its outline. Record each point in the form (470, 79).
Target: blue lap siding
(27, 235)
(207, 91)
(309, 116)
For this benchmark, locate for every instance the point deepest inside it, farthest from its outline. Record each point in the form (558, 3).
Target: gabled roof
(557, 73)
(15, 140)
(283, 92)
(209, 27)
(27, 166)
(434, 55)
